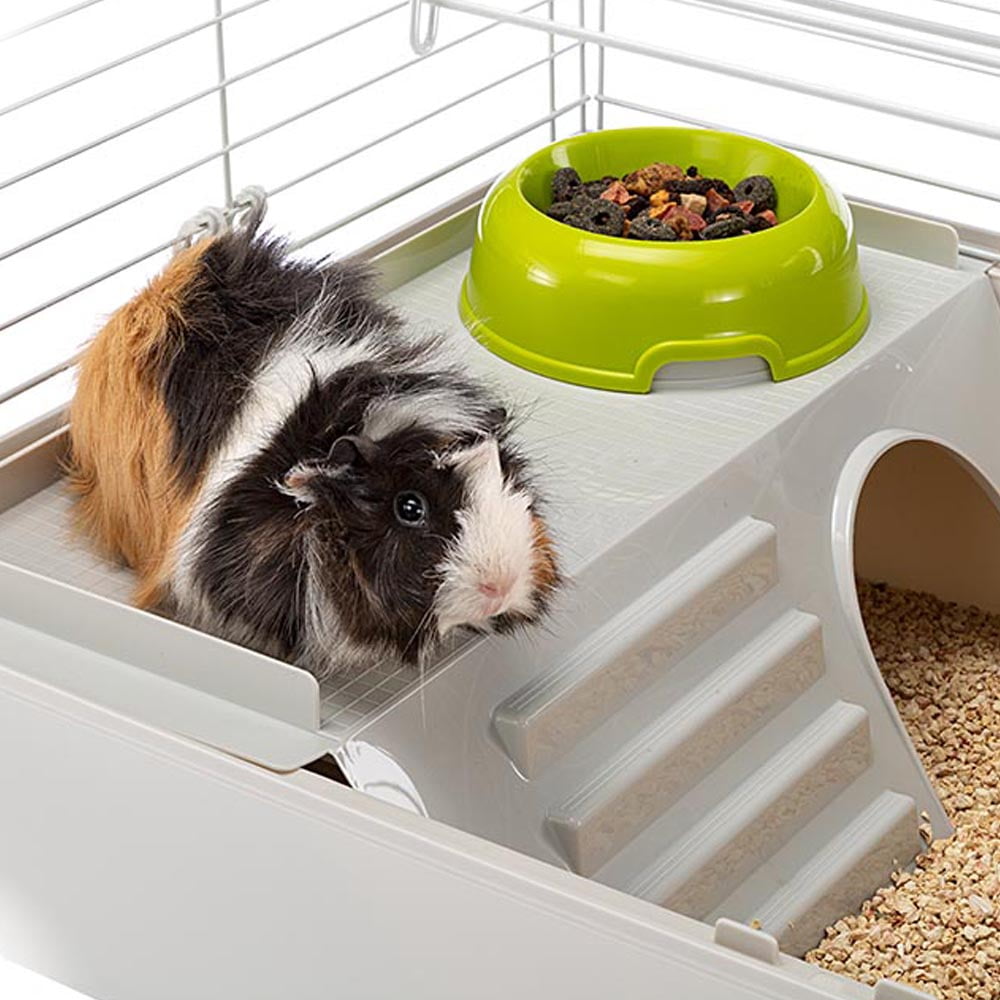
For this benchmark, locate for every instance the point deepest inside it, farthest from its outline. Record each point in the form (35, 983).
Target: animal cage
(697, 766)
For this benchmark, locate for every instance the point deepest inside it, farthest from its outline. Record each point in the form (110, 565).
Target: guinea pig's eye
(411, 509)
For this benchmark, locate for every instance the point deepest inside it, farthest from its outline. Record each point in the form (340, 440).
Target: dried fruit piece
(715, 200)
(616, 192)
(652, 178)
(678, 214)
(695, 203)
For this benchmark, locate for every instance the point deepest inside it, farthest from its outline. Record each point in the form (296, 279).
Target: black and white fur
(301, 412)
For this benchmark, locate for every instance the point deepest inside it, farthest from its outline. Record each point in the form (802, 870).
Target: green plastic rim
(609, 313)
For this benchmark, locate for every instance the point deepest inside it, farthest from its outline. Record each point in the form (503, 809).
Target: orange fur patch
(545, 572)
(129, 501)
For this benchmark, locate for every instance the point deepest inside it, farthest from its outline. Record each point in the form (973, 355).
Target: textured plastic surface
(609, 312)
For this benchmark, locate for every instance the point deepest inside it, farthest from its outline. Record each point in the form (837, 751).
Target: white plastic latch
(747, 940)
(210, 221)
(994, 273)
(250, 203)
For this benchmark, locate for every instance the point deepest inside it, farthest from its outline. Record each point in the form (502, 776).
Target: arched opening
(927, 521)
(712, 374)
(917, 516)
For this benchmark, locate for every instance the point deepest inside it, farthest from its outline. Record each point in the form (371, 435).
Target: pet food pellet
(558, 210)
(565, 183)
(756, 223)
(758, 189)
(644, 227)
(598, 216)
(724, 228)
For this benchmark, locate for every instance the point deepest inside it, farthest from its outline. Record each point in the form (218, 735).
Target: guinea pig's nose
(495, 589)
(495, 592)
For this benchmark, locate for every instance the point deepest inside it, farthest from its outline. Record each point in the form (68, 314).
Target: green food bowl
(609, 312)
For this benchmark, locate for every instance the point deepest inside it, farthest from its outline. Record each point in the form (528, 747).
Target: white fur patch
(443, 410)
(494, 547)
(277, 390)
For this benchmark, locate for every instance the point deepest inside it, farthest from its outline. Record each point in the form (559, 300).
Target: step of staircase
(665, 759)
(545, 718)
(877, 837)
(724, 846)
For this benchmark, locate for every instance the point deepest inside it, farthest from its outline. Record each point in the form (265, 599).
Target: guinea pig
(283, 466)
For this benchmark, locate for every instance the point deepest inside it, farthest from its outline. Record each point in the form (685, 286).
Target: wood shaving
(936, 928)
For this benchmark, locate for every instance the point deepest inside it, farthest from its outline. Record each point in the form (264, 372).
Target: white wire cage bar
(227, 145)
(979, 53)
(859, 34)
(576, 91)
(598, 37)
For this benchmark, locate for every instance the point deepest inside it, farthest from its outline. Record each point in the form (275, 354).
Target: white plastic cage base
(700, 528)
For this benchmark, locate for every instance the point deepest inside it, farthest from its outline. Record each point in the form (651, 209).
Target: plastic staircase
(662, 818)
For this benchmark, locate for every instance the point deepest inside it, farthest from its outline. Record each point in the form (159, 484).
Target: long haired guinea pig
(283, 467)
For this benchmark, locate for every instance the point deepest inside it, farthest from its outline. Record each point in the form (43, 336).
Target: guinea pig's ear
(351, 450)
(496, 418)
(304, 481)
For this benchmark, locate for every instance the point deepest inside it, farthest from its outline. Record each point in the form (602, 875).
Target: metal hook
(423, 45)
